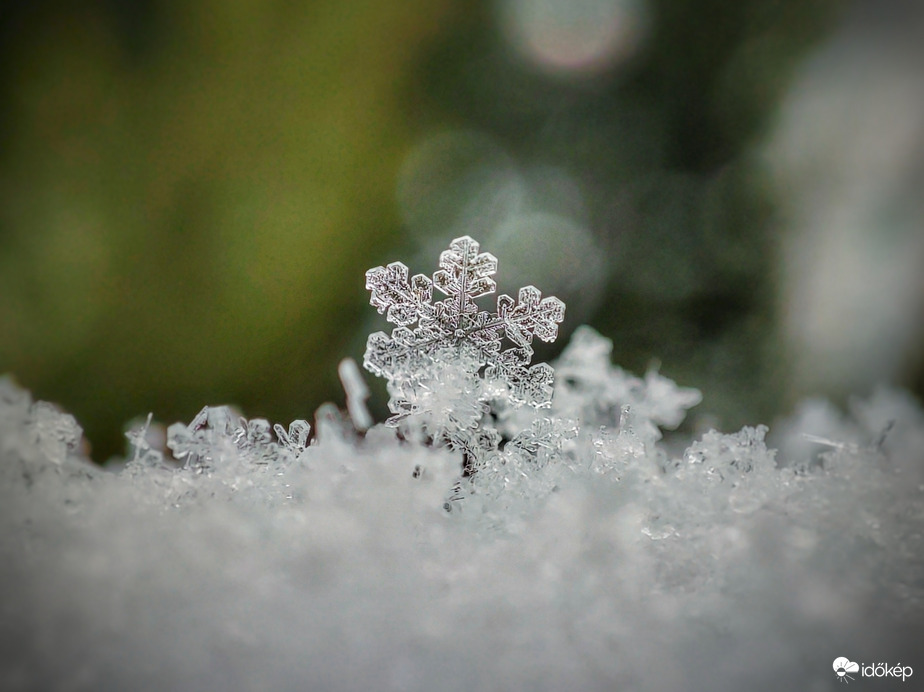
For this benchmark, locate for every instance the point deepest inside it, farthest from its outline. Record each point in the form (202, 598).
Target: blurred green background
(191, 192)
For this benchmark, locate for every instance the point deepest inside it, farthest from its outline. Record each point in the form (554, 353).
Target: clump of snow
(588, 386)
(480, 544)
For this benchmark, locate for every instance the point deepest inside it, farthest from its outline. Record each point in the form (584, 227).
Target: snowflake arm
(530, 316)
(465, 275)
(404, 302)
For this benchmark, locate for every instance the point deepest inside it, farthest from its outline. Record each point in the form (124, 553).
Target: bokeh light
(574, 37)
(847, 155)
(458, 182)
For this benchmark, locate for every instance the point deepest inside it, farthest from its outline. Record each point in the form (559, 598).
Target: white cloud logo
(843, 666)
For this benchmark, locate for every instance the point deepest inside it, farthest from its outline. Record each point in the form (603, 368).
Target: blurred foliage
(188, 210)
(191, 193)
(664, 146)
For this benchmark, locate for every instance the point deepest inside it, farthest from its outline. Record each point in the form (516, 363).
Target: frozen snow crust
(578, 551)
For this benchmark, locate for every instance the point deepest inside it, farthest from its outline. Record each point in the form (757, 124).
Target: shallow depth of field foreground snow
(607, 563)
(513, 525)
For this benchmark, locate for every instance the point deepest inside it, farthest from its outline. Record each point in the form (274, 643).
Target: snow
(579, 551)
(341, 570)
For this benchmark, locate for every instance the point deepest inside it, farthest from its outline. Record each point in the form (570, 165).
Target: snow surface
(582, 554)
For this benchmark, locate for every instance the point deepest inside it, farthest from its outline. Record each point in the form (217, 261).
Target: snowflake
(446, 358)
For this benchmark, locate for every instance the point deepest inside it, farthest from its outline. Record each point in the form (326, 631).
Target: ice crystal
(623, 451)
(55, 434)
(594, 391)
(217, 434)
(356, 394)
(439, 349)
(520, 473)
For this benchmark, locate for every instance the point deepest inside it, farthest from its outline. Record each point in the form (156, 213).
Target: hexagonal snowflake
(448, 355)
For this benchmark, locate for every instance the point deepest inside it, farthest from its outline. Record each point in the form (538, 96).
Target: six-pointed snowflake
(434, 338)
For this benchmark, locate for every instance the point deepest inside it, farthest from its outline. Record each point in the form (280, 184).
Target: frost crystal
(356, 394)
(592, 390)
(55, 434)
(216, 435)
(446, 358)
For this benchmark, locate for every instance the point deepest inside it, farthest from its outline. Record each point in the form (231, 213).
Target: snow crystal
(590, 388)
(452, 372)
(455, 324)
(356, 393)
(217, 435)
(46, 431)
